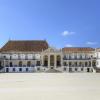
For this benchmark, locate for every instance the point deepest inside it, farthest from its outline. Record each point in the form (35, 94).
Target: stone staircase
(97, 69)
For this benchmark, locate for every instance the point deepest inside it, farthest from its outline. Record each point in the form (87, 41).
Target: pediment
(51, 50)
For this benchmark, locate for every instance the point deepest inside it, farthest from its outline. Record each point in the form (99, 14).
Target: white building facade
(37, 56)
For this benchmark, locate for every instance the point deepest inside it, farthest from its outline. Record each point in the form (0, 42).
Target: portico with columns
(52, 58)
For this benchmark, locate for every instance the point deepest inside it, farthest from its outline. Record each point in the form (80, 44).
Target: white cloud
(69, 45)
(65, 33)
(91, 43)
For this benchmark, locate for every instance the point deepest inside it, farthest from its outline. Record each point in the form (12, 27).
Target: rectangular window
(70, 69)
(26, 69)
(88, 70)
(20, 69)
(64, 69)
(75, 69)
(64, 64)
(81, 69)
(13, 69)
(38, 63)
(7, 69)
(38, 69)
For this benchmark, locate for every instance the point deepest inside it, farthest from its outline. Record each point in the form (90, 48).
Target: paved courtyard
(48, 86)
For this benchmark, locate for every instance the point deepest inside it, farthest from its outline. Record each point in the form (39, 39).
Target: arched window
(75, 64)
(70, 64)
(29, 63)
(80, 64)
(86, 64)
(94, 63)
(65, 64)
(20, 64)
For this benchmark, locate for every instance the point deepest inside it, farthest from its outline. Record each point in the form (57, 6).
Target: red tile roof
(25, 46)
(77, 49)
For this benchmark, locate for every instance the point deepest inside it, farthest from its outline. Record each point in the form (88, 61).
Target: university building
(38, 56)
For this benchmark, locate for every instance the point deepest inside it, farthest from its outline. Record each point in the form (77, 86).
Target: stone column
(55, 60)
(84, 67)
(78, 63)
(68, 65)
(42, 59)
(92, 65)
(35, 63)
(4, 65)
(88, 64)
(48, 61)
(61, 60)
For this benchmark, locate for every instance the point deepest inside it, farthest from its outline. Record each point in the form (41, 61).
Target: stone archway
(52, 60)
(45, 60)
(58, 61)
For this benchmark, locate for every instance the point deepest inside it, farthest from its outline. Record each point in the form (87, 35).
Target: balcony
(76, 58)
(79, 66)
(19, 59)
(19, 66)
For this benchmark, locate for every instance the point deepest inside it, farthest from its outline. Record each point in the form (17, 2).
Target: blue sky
(60, 22)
